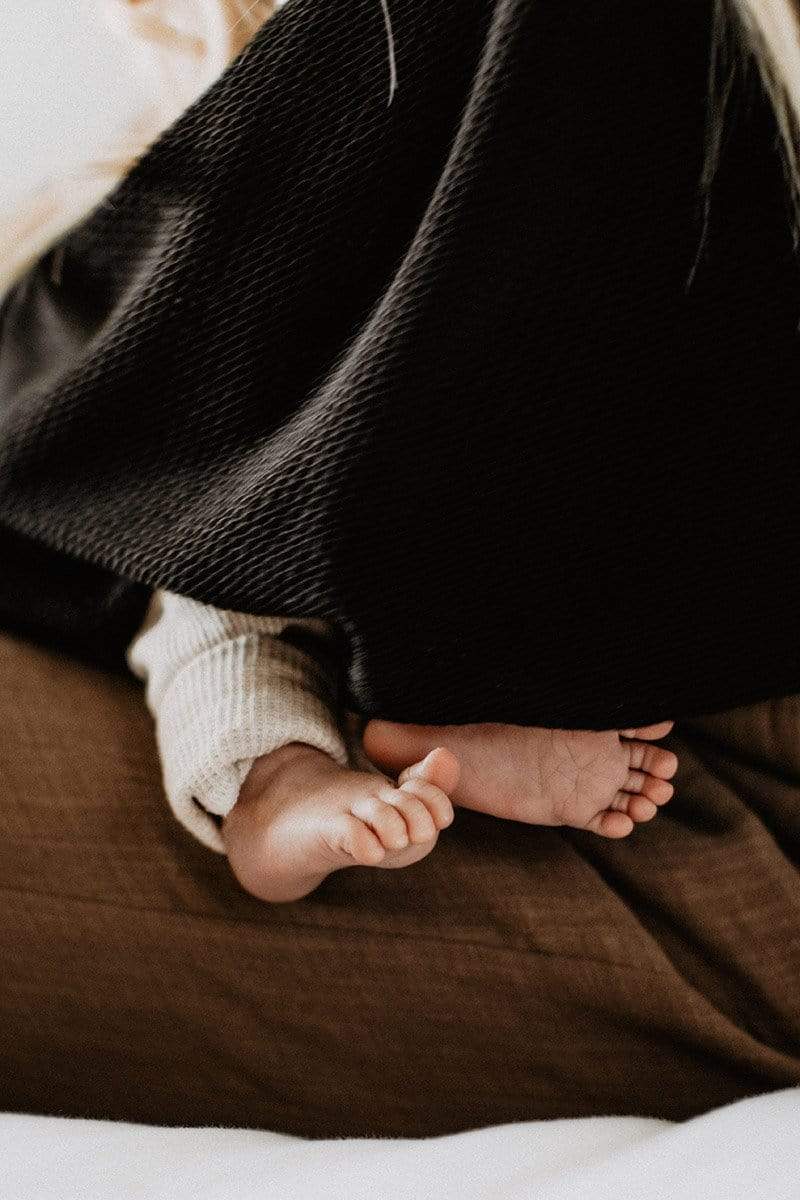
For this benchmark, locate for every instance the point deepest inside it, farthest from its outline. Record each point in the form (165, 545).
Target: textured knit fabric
(225, 687)
(425, 335)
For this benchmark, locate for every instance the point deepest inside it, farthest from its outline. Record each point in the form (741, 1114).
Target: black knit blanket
(427, 328)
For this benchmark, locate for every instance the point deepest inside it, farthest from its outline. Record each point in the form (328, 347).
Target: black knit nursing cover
(424, 334)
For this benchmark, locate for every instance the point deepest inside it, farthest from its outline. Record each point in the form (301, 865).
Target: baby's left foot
(604, 782)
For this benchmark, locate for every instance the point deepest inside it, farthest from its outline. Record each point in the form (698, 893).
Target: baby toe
(641, 809)
(652, 760)
(440, 767)
(383, 819)
(657, 790)
(350, 836)
(662, 763)
(436, 801)
(611, 824)
(420, 823)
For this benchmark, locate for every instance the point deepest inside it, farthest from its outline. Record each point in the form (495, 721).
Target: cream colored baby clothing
(225, 687)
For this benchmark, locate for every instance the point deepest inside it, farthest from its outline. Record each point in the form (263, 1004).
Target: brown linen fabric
(516, 973)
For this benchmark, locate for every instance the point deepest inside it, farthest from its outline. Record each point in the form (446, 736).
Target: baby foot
(300, 816)
(604, 782)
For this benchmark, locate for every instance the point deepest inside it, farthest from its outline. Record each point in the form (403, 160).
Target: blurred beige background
(87, 85)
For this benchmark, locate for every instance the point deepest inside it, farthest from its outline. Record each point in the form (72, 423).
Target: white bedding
(748, 1150)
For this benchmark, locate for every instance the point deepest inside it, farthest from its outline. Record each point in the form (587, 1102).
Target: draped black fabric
(456, 365)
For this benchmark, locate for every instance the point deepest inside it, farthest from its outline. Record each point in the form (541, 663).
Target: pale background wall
(86, 85)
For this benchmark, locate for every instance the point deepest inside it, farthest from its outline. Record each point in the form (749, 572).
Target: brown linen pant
(516, 973)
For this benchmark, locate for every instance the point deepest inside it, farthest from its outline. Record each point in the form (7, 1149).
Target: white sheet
(746, 1151)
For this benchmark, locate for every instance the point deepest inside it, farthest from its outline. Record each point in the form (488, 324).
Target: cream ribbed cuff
(224, 688)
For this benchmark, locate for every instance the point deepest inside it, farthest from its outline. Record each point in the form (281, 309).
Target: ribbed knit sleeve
(225, 687)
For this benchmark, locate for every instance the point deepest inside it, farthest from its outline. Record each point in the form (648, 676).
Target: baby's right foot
(300, 816)
(606, 781)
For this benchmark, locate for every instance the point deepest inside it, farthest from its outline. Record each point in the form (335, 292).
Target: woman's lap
(516, 973)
